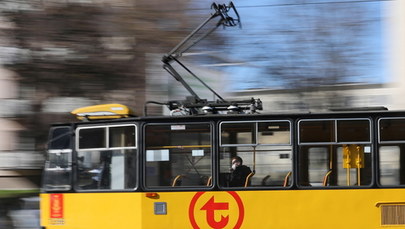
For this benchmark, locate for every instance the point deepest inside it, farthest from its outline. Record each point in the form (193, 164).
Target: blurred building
(63, 65)
(395, 37)
(20, 165)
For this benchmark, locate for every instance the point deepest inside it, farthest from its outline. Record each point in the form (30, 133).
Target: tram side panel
(282, 209)
(346, 208)
(91, 210)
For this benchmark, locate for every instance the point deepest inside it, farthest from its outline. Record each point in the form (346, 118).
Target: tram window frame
(125, 172)
(274, 153)
(384, 145)
(106, 137)
(336, 148)
(59, 159)
(335, 138)
(255, 135)
(176, 182)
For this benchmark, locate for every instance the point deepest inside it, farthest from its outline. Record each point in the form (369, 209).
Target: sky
(287, 34)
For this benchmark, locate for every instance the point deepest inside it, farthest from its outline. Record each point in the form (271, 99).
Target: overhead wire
(289, 4)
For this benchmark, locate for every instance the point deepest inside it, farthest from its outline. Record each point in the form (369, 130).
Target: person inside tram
(239, 172)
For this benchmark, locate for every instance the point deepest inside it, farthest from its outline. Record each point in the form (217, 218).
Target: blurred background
(295, 55)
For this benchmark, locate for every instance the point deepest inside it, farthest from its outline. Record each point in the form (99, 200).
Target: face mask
(234, 166)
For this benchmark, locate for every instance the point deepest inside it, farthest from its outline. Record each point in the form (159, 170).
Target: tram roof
(337, 113)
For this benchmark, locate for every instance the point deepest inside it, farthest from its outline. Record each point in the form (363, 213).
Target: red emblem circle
(235, 197)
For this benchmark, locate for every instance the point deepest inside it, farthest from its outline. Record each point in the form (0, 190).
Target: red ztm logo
(207, 211)
(211, 207)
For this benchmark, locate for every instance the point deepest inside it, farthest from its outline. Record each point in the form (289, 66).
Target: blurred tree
(304, 44)
(93, 50)
(322, 45)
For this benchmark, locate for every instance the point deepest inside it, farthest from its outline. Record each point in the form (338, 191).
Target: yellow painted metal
(103, 111)
(353, 156)
(95, 210)
(281, 209)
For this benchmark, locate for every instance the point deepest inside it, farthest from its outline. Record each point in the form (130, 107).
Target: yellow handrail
(286, 179)
(175, 180)
(248, 178)
(209, 182)
(326, 178)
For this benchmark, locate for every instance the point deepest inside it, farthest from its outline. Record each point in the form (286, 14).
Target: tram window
(121, 136)
(60, 159)
(269, 159)
(178, 156)
(392, 151)
(270, 164)
(92, 138)
(317, 131)
(102, 164)
(60, 138)
(238, 133)
(58, 171)
(335, 165)
(317, 165)
(353, 130)
(274, 132)
(392, 129)
(107, 169)
(391, 164)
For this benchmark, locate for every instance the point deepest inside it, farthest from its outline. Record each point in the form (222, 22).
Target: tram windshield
(58, 166)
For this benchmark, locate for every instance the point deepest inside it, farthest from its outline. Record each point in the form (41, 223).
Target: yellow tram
(334, 170)
(341, 169)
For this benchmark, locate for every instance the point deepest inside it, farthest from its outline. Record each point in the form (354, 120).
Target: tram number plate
(56, 221)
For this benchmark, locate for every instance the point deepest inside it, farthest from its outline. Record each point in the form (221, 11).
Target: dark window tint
(392, 130)
(317, 131)
(353, 130)
(92, 138)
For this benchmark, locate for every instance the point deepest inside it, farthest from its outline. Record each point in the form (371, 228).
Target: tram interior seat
(188, 180)
(265, 180)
